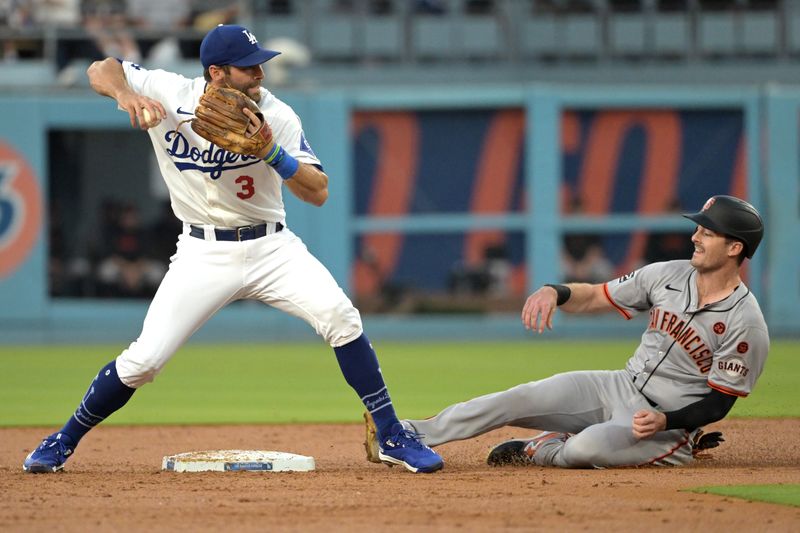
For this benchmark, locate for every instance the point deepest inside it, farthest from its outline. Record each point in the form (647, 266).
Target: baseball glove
(705, 441)
(219, 118)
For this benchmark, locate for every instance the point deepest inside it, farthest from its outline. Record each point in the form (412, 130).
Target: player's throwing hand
(143, 111)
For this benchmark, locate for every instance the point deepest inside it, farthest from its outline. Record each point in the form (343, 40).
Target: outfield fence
(430, 187)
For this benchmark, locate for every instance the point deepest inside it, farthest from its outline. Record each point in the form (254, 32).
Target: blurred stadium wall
(476, 150)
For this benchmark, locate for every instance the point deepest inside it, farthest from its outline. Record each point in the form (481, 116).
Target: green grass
(284, 383)
(783, 494)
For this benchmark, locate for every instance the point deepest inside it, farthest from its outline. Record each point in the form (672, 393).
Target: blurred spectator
(488, 278)
(69, 274)
(582, 257)
(10, 51)
(111, 34)
(17, 14)
(127, 271)
(293, 54)
(498, 269)
(668, 245)
(57, 13)
(205, 21)
(105, 24)
(103, 8)
(167, 17)
(158, 14)
(5, 11)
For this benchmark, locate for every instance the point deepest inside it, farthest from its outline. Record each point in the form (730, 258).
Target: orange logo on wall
(20, 209)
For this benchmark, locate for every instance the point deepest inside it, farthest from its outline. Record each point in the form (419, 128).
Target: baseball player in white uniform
(705, 345)
(235, 242)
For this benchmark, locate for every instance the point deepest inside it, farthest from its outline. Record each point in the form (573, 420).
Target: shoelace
(409, 439)
(47, 444)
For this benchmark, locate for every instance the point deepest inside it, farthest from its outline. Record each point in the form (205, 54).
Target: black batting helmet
(732, 217)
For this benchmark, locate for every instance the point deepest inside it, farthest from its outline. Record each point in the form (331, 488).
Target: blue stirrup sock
(361, 370)
(106, 394)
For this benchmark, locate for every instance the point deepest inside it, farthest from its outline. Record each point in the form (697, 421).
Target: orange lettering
(654, 312)
(685, 335)
(688, 345)
(677, 329)
(664, 318)
(672, 320)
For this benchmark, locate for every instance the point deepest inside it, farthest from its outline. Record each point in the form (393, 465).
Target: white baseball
(148, 119)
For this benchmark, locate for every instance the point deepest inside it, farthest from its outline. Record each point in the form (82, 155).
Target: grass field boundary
(782, 494)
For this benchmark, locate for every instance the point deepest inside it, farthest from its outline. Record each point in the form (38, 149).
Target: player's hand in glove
(705, 441)
(220, 117)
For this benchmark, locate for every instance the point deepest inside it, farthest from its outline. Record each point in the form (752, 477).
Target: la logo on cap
(250, 37)
(709, 203)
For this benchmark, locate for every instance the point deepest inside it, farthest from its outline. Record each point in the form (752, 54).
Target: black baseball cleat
(521, 451)
(510, 452)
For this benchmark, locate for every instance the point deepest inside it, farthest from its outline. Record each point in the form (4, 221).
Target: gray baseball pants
(596, 406)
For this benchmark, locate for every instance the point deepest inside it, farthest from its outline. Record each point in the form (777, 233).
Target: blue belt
(242, 233)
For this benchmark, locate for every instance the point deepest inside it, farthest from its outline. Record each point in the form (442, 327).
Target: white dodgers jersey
(209, 185)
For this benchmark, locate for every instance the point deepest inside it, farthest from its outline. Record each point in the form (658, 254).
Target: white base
(237, 461)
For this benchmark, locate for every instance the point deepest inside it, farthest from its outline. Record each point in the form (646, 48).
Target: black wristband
(562, 291)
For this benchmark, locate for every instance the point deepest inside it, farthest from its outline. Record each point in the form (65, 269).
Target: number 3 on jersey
(248, 190)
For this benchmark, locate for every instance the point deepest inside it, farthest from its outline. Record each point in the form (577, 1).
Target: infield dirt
(114, 483)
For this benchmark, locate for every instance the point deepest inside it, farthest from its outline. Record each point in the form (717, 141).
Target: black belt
(242, 233)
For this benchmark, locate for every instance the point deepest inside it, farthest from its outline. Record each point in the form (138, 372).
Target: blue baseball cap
(232, 45)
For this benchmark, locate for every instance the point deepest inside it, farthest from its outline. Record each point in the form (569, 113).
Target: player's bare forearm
(539, 308)
(309, 184)
(107, 78)
(586, 298)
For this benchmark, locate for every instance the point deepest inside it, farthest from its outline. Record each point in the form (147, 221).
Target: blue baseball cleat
(404, 448)
(50, 456)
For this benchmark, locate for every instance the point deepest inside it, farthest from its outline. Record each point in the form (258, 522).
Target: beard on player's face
(244, 79)
(251, 88)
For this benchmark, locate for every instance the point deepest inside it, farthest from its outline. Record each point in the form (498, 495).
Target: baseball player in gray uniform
(235, 242)
(705, 345)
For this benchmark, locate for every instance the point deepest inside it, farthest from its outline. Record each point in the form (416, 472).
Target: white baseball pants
(206, 275)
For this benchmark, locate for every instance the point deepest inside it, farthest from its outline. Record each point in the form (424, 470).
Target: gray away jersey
(687, 350)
